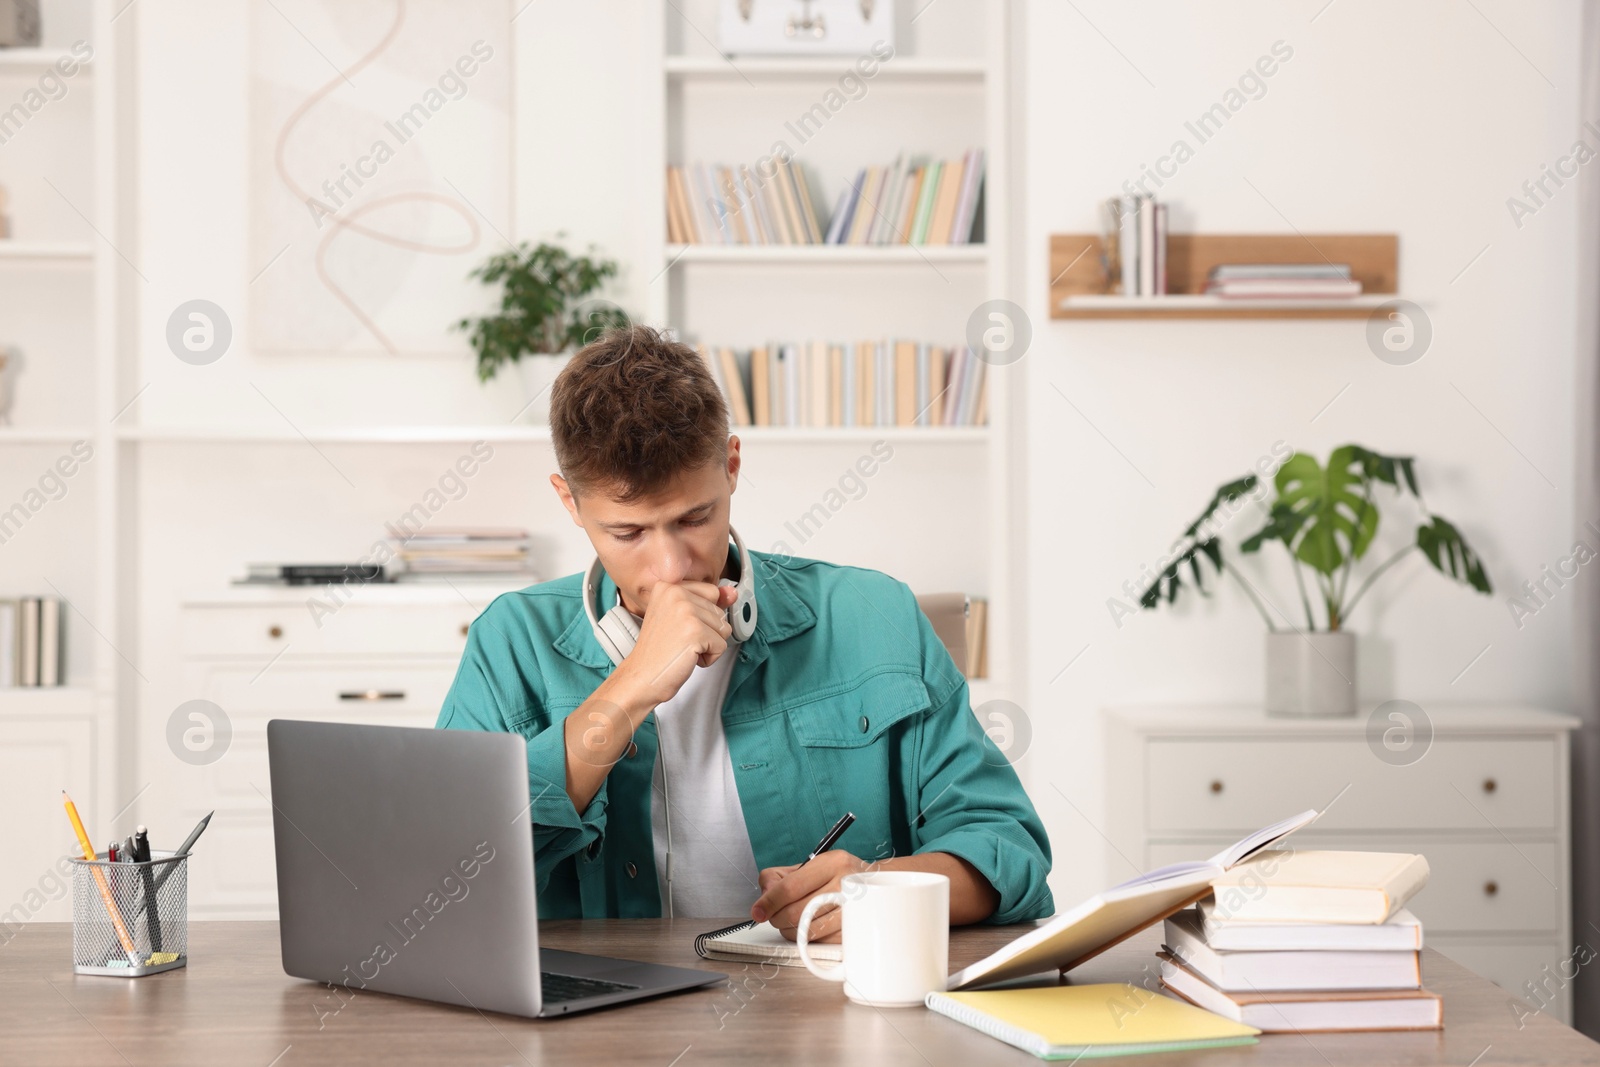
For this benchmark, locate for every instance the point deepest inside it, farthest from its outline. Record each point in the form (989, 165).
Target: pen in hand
(830, 838)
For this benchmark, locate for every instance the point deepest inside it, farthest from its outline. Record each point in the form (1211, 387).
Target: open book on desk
(1105, 919)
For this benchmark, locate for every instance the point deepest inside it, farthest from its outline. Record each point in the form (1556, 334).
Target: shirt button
(633, 750)
(864, 724)
(633, 872)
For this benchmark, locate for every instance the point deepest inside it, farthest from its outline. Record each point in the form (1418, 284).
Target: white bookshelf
(55, 702)
(828, 255)
(513, 434)
(45, 435)
(31, 250)
(945, 89)
(766, 67)
(59, 279)
(29, 61)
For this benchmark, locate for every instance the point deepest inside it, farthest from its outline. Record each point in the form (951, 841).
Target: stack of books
(931, 202)
(717, 205)
(32, 642)
(869, 383)
(440, 553)
(1136, 245)
(1282, 281)
(1298, 941)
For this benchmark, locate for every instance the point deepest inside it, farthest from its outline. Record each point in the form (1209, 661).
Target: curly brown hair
(631, 411)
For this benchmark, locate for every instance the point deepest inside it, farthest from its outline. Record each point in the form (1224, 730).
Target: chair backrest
(948, 613)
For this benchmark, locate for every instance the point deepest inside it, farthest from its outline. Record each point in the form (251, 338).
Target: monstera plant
(1326, 519)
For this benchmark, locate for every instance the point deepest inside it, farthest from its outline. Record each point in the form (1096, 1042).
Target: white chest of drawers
(387, 656)
(1486, 800)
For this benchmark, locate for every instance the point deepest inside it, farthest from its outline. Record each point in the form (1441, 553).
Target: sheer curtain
(1586, 639)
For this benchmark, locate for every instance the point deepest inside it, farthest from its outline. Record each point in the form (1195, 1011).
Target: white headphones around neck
(618, 631)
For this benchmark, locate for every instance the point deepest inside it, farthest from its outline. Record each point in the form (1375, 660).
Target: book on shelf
(358, 573)
(1265, 281)
(1147, 246)
(867, 383)
(1136, 245)
(32, 643)
(906, 201)
(435, 554)
(1161, 248)
(977, 665)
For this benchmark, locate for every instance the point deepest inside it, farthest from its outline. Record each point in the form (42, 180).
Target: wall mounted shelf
(976, 254)
(1079, 285)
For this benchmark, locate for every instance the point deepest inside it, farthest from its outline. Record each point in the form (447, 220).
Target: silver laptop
(405, 865)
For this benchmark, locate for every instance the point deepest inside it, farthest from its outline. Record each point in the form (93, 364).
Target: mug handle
(831, 974)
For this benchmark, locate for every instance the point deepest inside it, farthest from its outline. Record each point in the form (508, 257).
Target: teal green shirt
(843, 700)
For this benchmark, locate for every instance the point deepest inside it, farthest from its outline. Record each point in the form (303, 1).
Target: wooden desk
(233, 1005)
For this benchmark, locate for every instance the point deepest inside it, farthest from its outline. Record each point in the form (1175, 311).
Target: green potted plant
(1325, 518)
(547, 312)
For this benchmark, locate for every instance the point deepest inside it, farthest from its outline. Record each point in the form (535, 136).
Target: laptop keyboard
(558, 987)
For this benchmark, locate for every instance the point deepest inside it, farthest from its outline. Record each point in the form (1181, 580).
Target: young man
(692, 773)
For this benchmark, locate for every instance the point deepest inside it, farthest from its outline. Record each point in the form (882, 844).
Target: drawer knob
(1216, 785)
(373, 694)
(1488, 785)
(274, 631)
(464, 627)
(1490, 888)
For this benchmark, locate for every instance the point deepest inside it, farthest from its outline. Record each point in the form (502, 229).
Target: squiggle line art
(350, 221)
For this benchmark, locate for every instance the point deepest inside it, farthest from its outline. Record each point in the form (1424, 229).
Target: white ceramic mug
(896, 927)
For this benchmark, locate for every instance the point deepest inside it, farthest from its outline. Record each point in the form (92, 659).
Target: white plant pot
(1311, 675)
(538, 375)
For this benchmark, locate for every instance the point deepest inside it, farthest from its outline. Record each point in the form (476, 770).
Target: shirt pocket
(858, 717)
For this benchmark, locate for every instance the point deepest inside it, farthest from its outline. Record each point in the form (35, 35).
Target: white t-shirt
(713, 866)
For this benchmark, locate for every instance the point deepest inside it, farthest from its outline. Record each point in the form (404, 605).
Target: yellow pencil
(100, 879)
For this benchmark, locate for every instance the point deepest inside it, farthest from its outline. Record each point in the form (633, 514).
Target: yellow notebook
(1079, 1022)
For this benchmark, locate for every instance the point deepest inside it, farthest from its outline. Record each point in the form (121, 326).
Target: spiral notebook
(750, 941)
(1088, 1021)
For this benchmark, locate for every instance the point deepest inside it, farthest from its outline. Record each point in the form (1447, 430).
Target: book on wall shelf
(884, 382)
(1135, 243)
(1282, 281)
(906, 202)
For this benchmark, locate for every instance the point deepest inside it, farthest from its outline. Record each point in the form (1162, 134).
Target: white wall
(205, 508)
(1418, 119)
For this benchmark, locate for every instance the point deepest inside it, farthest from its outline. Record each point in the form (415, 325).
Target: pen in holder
(130, 919)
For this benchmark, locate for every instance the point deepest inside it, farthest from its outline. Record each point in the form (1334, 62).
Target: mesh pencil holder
(130, 919)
